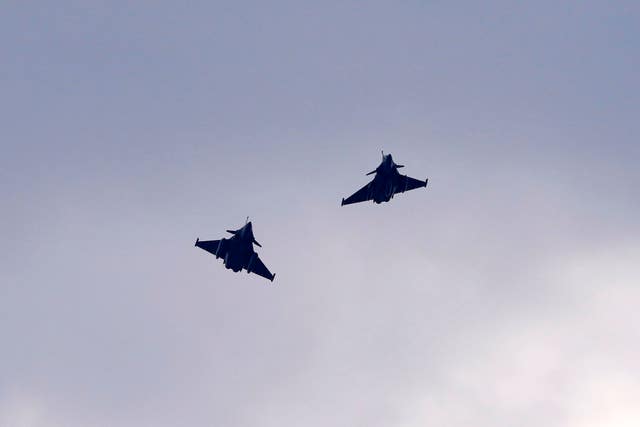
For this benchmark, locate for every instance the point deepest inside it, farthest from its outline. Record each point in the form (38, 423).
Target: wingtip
(273, 276)
(426, 182)
(342, 203)
(197, 240)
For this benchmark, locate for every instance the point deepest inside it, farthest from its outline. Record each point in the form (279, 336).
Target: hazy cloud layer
(504, 294)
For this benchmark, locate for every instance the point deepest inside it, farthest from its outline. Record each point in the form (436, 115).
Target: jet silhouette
(385, 184)
(237, 251)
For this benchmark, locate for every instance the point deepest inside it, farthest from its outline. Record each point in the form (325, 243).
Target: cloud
(501, 295)
(567, 362)
(23, 410)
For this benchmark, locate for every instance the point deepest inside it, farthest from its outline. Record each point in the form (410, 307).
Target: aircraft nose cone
(248, 229)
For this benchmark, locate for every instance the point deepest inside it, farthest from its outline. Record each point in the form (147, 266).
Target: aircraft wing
(406, 183)
(260, 269)
(211, 246)
(362, 195)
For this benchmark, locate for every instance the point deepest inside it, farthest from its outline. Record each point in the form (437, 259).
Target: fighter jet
(387, 182)
(237, 251)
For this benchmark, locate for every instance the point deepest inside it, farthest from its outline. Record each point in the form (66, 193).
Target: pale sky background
(506, 294)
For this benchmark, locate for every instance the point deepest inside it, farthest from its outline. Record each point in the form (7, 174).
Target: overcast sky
(505, 294)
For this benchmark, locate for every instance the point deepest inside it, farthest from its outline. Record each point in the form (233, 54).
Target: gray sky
(505, 294)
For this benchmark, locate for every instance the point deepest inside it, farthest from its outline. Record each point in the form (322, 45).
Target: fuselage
(239, 248)
(383, 184)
